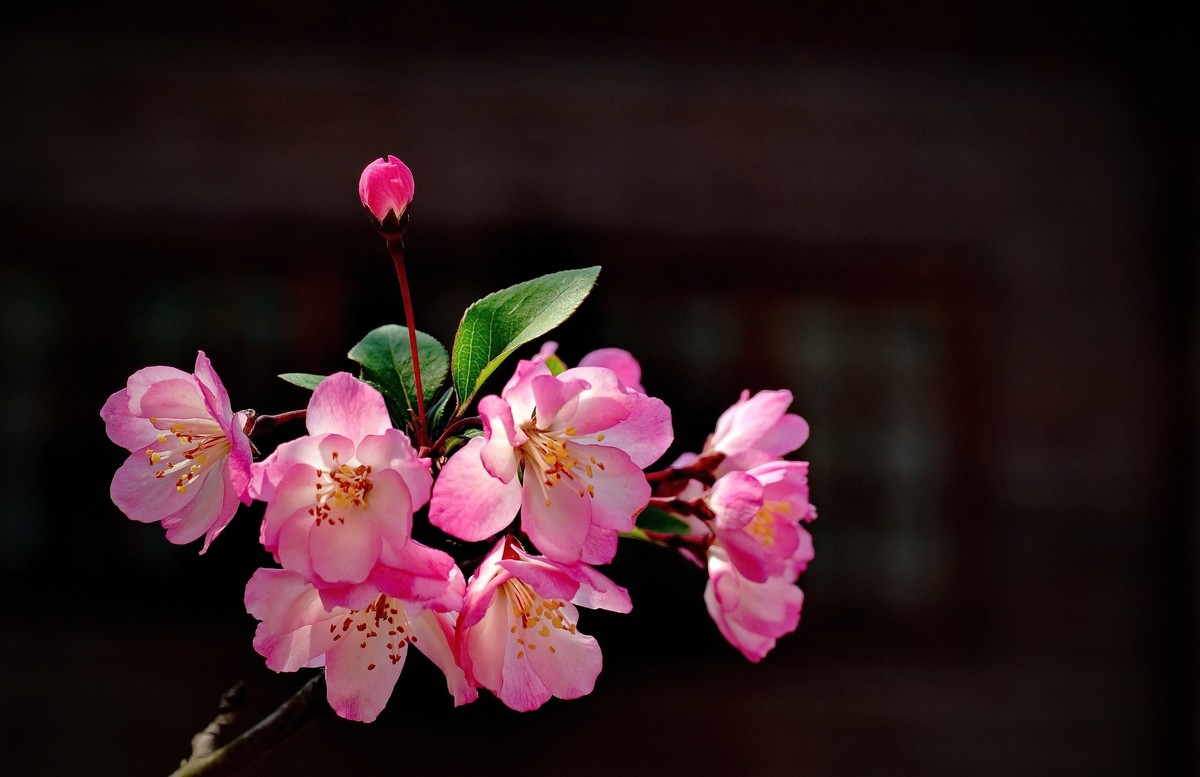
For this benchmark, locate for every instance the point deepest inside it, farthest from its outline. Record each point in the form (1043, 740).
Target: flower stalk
(396, 249)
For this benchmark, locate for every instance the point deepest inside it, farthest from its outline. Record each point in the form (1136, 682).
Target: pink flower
(362, 648)
(341, 500)
(386, 188)
(619, 361)
(190, 461)
(517, 632)
(756, 430)
(750, 615)
(758, 515)
(579, 441)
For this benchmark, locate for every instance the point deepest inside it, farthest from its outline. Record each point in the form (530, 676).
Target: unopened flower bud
(386, 189)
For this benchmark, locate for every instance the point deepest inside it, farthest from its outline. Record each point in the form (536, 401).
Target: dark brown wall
(964, 237)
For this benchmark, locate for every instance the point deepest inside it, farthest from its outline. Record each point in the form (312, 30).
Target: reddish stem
(451, 429)
(262, 424)
(396, 249)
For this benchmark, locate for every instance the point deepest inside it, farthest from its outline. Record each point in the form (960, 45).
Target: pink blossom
(341, 500)
(386, 188)
(619, 361)
(758, 515)
(517, 632)
(750, 615)
(362, 648)
(579, 441)
(755, 430)
(191, 458)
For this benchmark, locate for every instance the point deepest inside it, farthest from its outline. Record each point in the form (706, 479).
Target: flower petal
(433, 635)
(344, 552)
(345, 405)
(556, 519)
(361, 675)
(567, 664)
(468, 502)
(291, 634)
(393, 450)
(619, 361)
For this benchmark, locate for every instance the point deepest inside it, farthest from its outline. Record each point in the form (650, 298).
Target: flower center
(537, 616)
(183, 452)
(552, 459)
(763, 526)
(339, 490)
(382, 619)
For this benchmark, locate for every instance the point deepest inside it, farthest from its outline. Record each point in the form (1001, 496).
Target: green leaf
(556, 365)
(303, 379)
(386, 361)
(437, 411)
(661, 522)
(498, 324)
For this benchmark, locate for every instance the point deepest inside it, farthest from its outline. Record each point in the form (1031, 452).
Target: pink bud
(386, 189)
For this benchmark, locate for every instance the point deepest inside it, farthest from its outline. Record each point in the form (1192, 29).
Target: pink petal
(203, 513)
(789, 433)
(803, 555)
(386, 187)
(643, 429)
(548, 579)
(468, 502)
(344, 553)
(571, 670)
(619, 486)
(131, 432)
(598, 592)
(291, 499)
(434, 636)
(420, 574)
(750, 615)
(343, 404)
(291, 545)
(518, 392)
(216, 398)
(388, 507)
(500, 436)
(361, 679)
(749, 557)
(520, 686)
(481, 591)
(165, 393)
(601, 402)
(556, 518)
(229, 506)
(619, 361)
(289, 609)
(758, 428)
(481, 647)
(144, 497)
(393, 450)
(736, 499)
(600, 546)
(557, 399)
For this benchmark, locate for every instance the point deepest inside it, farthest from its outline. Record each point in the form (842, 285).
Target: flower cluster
(530, 490)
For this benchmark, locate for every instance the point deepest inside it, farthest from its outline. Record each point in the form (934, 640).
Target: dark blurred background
(963, 235)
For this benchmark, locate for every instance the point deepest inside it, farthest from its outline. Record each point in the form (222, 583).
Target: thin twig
(205, 743)
(288, 718)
